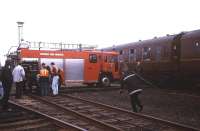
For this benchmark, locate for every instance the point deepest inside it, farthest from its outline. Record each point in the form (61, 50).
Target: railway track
(95, 116)
(72, 120)
(21, 120)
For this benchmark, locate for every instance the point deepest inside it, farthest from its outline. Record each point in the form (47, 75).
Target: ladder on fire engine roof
(55, 46)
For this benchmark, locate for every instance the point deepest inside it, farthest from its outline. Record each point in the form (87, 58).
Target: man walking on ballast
(130, 82)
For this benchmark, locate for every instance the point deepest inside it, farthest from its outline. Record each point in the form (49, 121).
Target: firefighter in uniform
(44, 80)
(129, 82)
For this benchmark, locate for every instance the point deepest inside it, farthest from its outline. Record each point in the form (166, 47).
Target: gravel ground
(184, 109)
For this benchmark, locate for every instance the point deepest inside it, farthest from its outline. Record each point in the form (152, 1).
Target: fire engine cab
(79, 65)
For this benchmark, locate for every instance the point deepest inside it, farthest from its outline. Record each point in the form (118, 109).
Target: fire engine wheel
(105, 81)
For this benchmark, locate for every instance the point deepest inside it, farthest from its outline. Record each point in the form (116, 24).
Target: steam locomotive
(172, 58)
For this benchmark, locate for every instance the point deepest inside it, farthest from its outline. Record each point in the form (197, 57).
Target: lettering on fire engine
(51, 54)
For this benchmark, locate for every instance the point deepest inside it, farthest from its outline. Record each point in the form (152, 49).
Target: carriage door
(158, 54)
(176, 48)
(132, 55)
(176, 51)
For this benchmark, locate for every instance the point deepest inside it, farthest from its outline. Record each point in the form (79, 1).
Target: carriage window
(174, 47)
(197, 44)
(131, 51)
(121, 52)
(146, 53)
(196, 49)
(158, 53)
(93, 58)
(132, 56)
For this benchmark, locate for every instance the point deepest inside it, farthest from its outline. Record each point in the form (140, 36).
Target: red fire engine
(79, 65)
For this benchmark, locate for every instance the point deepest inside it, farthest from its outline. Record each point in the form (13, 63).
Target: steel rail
(175, 124)
(104, 125)
(57, 122)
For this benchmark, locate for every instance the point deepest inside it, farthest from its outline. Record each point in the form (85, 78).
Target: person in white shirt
(18, 77)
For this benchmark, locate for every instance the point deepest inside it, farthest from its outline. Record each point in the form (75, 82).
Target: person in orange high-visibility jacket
(44, 81)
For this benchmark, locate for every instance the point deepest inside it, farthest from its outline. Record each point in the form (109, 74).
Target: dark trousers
(7, 89)
(135, 103)
(24, 86)
(19, 89)
(44, 86)
(30, 84)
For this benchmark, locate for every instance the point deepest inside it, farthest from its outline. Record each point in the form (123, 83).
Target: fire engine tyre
(105, 81)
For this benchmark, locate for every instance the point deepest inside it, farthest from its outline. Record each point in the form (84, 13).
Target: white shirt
(18, 73)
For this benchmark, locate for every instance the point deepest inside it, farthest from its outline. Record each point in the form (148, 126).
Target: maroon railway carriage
(172, 57)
